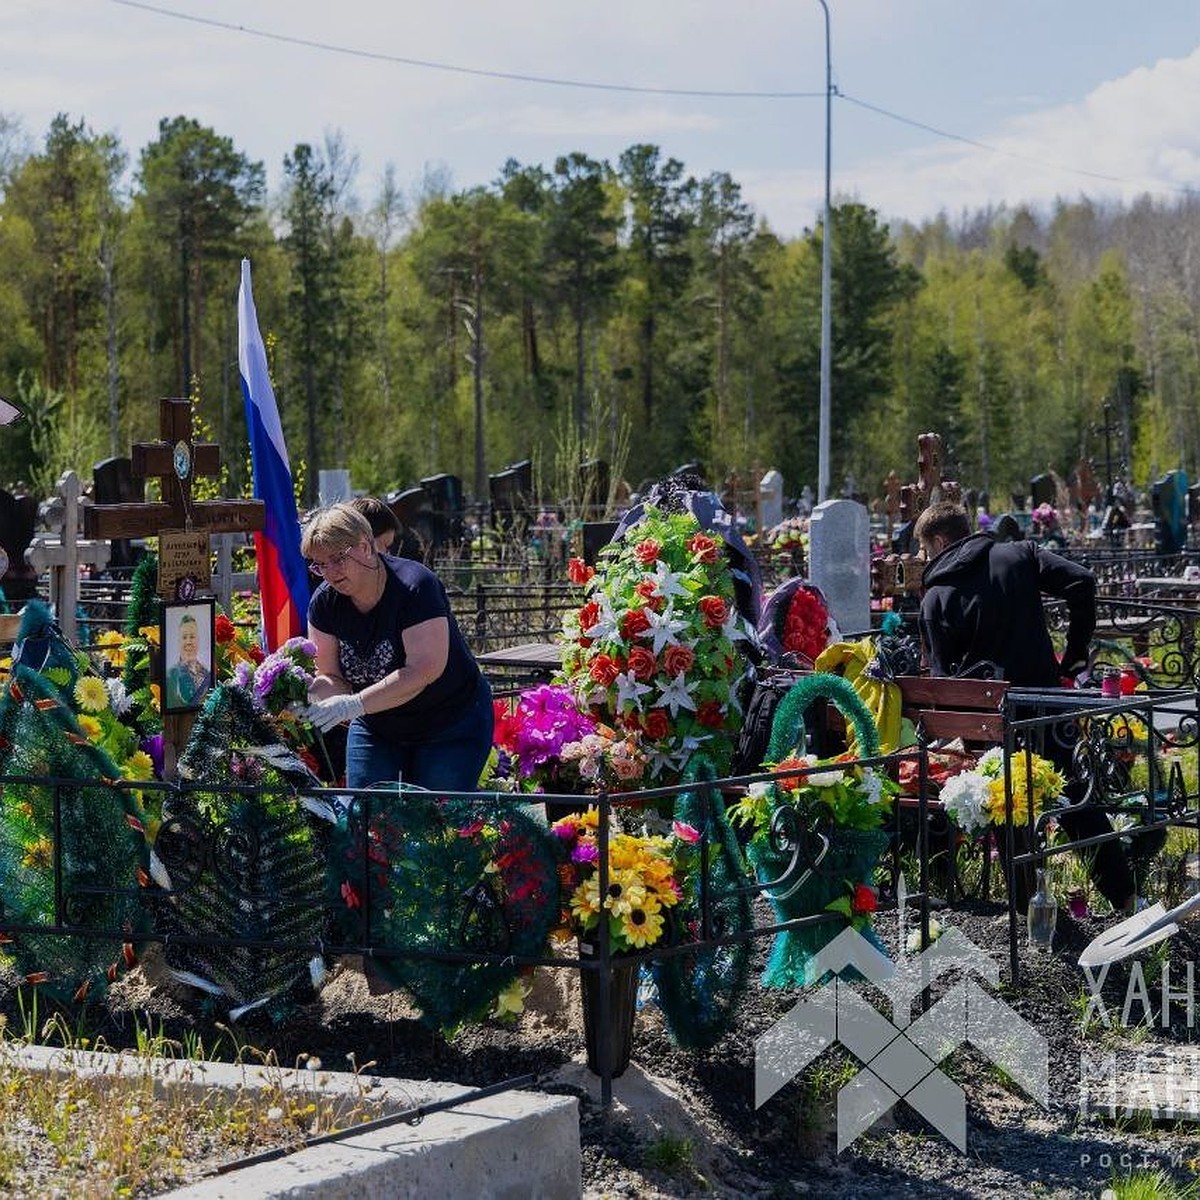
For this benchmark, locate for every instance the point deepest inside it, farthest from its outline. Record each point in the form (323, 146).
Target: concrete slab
(516, 1145)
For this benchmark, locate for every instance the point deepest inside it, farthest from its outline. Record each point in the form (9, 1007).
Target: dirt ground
(684, 1123)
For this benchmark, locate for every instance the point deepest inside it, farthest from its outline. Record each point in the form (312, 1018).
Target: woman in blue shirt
(392, 661)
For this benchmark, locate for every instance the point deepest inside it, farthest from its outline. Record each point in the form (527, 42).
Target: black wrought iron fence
(248, 891)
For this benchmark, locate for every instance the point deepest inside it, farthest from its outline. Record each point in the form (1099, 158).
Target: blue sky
(1069, 97)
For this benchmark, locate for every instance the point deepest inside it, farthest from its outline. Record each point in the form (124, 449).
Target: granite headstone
(840, 561)
(770, 500)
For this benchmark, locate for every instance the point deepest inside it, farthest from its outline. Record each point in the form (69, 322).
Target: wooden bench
(945, 709)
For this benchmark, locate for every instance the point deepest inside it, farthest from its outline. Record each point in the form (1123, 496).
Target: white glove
(333, 710)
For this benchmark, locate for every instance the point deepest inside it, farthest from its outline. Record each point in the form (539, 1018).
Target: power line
(635, 89)
(454, 69)
(966, 141)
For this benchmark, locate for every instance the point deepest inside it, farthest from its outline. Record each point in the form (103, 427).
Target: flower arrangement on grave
(795, 621)
(277, 684)
(652, 651)
(975, 798)
(547, 744)
(253, 905)
(832, 792)
(56, 722)
(649, 875)
(422, 875)
(816, 827)
(788, 536)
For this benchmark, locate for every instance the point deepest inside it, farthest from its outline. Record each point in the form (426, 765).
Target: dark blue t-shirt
(370, 646)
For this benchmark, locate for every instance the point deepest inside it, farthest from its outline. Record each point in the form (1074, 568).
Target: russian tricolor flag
(282, 574)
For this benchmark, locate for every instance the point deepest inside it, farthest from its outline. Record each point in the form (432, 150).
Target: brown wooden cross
(176, 510)
(891, 500)
(176, 461)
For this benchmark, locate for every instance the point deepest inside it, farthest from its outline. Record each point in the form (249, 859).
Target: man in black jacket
(982, 615)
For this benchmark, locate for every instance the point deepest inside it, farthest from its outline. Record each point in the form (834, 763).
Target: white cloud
(1128, 136)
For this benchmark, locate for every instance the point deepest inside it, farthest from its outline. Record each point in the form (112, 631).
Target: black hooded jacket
(983, 603)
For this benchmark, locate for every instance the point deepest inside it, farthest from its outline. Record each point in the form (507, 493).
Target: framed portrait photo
(186, 638)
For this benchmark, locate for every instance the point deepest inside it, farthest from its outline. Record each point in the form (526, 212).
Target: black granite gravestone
(511, 492)
(18, 514)
(113, 482)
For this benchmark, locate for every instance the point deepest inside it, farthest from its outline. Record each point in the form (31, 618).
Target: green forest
(576, 309)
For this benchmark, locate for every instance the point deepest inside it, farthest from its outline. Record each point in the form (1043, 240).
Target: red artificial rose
(642, 663)
(790, 782)
(506, 725)
(714, 611)
(578, 572)
(864, 900)
(589, 614)
(256, 653)
(703, 548)
(633, 623)
(647, 551)
(604, 670)
(657, 724)
(678, 660)
(350, 896)
(710, 714)
(646, 589)
(224, 630)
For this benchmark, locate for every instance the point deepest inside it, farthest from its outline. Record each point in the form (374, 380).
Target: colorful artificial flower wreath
(653, 650)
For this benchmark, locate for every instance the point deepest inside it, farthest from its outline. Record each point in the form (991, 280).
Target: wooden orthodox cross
(181, 524)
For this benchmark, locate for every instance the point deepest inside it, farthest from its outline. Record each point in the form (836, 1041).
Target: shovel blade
(1132, 935)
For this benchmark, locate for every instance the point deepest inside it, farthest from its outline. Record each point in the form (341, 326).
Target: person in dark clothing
(981, 615)
(392, 661)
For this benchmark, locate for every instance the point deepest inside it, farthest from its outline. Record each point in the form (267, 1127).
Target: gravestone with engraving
(839, 561)
(770, 500)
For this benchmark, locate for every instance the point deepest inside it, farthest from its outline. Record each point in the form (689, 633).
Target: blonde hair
(334, 527)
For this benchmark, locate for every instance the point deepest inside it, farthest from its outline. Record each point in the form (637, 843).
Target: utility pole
(826, 282)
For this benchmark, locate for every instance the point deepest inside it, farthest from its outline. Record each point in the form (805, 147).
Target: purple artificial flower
(153, 746)
(586, 852)
(548, 719)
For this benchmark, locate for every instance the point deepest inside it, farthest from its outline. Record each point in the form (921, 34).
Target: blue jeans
(450, 761)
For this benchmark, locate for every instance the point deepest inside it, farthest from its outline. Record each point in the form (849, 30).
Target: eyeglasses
(333, 562)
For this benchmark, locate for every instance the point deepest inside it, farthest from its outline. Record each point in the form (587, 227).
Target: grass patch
(121, 1131)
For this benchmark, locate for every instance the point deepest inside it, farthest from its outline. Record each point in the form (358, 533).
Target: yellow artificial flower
(1040, 781)
(92, 729)
(150, 633)
(585, 900)
(626, 892)
(510, 1003)
(90, 694)
(139, 765)
(38, 855)
(642, 927)
(111, 645)
(156, 696)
